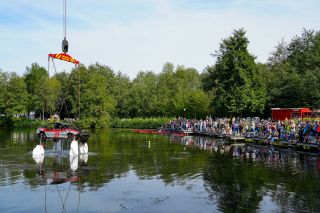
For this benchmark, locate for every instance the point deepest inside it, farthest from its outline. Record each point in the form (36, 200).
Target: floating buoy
(38, 150)
(74, 148)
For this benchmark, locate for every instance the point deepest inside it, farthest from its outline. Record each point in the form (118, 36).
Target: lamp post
(185, 114)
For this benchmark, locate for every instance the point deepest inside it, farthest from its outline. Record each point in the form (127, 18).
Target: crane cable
(65, 45)
(65, 19)
(63, 95)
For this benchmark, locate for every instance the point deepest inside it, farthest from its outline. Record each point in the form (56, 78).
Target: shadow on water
(132, 172)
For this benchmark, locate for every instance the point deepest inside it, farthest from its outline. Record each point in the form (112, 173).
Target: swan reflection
(60, 166)
(52, 163)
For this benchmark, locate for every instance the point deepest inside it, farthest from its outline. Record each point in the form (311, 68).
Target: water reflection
(61, 174)
(153, 173)
(246, 177)
(52, 164)
(268, 155)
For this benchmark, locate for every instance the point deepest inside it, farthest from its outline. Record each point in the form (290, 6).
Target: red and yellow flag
(64, 57)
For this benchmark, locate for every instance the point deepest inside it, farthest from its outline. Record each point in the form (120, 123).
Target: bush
(13, 122)
(93, 122)
(90, 122)
(139, 123)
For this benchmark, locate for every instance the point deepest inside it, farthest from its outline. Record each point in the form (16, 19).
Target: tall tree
(51, 95)
(62, 103)
(142, 93)
(121, 94)
(96, 104)
(304, 51)
(293, 72)
(167, 85)
(36, 78)
(17, 96)
(235, 78)
(4, 79)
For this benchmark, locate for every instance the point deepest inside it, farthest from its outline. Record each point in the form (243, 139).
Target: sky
(140, 35)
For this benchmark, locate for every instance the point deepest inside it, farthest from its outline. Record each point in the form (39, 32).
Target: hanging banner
(64, 57)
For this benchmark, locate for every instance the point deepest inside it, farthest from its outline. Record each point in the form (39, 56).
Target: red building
(289, 113)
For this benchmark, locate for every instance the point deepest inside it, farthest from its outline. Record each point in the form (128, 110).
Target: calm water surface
(123, 172)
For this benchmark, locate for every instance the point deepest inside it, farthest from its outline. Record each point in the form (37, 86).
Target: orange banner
(64, 57)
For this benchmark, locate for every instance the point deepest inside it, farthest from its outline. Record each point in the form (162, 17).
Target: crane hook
(65, 45)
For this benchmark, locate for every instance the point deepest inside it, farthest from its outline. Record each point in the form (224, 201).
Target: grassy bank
(139, 123)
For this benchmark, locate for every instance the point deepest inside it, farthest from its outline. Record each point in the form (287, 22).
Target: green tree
(198, 104)
(4, 78)
(17, 96)
(304, 51)
(293, 71)
(235, 78)
(96, 104)
(117, 86)
(63, 105)
(36, 79)
(52, 93)
(189, 95)
(142, 95)
(121, 94)
(167, 89)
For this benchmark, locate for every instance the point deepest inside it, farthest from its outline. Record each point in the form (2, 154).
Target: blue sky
(134, 35)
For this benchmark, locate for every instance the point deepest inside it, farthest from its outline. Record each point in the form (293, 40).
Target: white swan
(74, 148)
(38, 159)
(83, 158)
(83, 148)
(38, 150)
(73, 162)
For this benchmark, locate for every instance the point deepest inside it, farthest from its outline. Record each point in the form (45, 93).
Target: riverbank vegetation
(13, 122)
(235, 85)
(139, 123)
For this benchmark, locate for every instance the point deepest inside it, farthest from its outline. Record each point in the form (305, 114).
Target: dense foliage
(290, 78)
(139, 123)
(293, 72)
(235, 78)
(235, 85)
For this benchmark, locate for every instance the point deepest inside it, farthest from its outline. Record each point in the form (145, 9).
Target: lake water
(132, 172)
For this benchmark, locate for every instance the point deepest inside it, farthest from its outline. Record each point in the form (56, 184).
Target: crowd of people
(307, 131)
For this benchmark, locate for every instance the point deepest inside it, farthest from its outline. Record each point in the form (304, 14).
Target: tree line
(236, 85)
